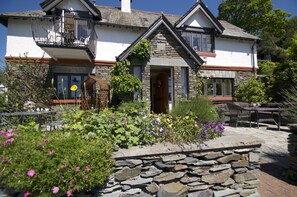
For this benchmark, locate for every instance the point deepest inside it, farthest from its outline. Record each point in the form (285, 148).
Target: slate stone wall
(213, 173)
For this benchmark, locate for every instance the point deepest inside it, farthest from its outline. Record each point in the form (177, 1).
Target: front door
(159, 90)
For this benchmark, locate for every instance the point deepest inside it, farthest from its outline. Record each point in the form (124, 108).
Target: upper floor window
(200, 42)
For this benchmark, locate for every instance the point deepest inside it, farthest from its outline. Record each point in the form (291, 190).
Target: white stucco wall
(72, 5)
(232, 52)
(20, 41)
(199, 20)
(112, 41)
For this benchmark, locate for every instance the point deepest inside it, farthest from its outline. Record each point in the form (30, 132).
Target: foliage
(285, 75)
(46, 162)
(292, 49)
(259, 18)
(134, 108)
(27, 81)
(141, 51)
(251, 91)
(116, 127)
(200, 107)
(176, 129)
(123, 83)
(290, 104)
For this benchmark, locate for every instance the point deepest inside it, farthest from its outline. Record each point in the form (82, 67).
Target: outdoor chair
(238, 113)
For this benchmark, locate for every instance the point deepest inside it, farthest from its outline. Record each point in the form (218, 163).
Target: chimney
(126, 6)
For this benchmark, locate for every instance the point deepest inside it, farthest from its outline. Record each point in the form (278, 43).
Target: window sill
(207, 54)
(221, 98)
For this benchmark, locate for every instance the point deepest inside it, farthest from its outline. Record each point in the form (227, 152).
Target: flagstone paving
(274, 160)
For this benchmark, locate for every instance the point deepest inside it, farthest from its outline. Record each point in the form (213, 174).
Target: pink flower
(69, 193)
(77, 169)
(63, 167)
(86, 177)
(8, 135)
(9, 131)
(46, 140)
(55, 189)
(8, 141)
(75, 187)
(52, 152)
(70, 182)
(27, 194)
(88, 168)
(2, 132)
(31, 173)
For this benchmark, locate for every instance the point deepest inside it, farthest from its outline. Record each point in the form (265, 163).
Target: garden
(76, 157)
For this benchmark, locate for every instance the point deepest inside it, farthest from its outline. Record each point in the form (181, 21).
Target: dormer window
(199, 41)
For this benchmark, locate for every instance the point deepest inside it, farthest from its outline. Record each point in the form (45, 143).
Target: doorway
(161, 89)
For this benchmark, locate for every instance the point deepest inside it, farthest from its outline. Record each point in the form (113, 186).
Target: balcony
(65, 38)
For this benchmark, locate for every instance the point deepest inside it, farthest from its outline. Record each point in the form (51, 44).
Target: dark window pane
(75, 80)
(62, 89)
(228, 87)
(187, 37)
(206, 43)
(196, 42)
(210, 88)
(219, 87)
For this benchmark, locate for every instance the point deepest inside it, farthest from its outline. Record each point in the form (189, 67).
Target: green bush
(290, 104)
(251, 91)
(200, 107)
(44, 162)
(134, 108)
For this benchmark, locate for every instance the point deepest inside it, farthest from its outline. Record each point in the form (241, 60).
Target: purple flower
(55, 190)
(31, 173)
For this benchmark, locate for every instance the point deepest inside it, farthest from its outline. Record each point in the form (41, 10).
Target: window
(202, 42)
(219, 87)
(185, 82)
(65, 81)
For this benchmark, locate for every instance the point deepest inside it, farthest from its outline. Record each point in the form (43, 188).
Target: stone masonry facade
(215, 173)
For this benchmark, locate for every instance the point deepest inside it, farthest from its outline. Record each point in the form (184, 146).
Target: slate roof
(137, 18)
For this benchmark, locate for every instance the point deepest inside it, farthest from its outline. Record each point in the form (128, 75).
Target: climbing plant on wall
(124, 84)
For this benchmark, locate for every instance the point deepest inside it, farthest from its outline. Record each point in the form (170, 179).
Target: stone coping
(230, 140)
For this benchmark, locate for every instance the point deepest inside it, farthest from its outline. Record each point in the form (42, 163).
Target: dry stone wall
(170, 170)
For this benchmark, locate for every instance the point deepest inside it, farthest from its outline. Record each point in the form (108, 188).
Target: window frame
(184, 72)
(223, 87)
(201, 32)
(69, 92)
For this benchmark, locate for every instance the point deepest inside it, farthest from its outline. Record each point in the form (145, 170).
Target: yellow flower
(73, 88)
(187, 117)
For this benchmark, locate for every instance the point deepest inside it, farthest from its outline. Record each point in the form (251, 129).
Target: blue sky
(167, 6)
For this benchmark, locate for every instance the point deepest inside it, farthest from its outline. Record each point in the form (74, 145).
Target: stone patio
(274, 159)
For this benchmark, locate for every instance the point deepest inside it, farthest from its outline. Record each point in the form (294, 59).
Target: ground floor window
(65, 81)
(219, 87)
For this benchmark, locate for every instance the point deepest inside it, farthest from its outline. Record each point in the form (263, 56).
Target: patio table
(267, 111)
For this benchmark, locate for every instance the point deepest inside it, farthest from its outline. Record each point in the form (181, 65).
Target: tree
(28, 81)
(258, 18)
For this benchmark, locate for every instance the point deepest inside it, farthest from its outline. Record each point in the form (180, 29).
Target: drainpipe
(253, 57)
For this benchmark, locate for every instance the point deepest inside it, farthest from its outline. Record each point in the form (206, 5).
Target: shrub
(43, 163)
(134, 108)
(290, 104)
(200, 107)
(251, 91)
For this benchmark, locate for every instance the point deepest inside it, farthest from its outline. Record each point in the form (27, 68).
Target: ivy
(124, 84)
